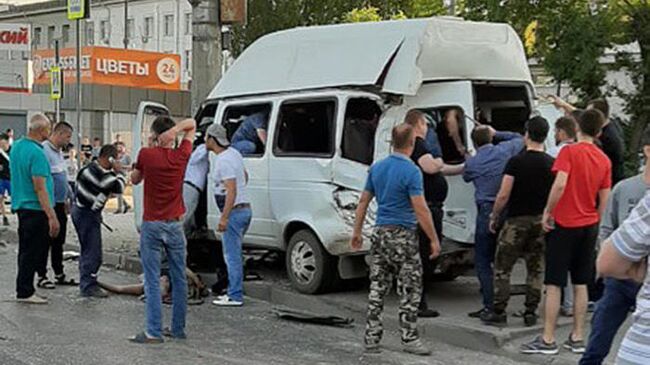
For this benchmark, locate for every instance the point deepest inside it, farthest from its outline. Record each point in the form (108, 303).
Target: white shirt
(555, 151)
(197, 169)
(230, 165)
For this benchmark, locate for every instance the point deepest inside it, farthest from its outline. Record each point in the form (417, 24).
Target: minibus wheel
(309, 267)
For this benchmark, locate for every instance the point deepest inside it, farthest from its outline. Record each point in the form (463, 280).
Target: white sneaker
(225, 301)
(34, 299)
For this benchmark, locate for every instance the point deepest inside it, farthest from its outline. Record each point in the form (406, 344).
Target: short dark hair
(62, 126)
(576, 114)
(107, 151)
(591, 122)
(402, 136)
(4, 136)
(413, 117)
(600, 104)
(645, 137)
(162, 124)
(119, 143)
(537, 129)
(481, 136)
(567, 125)
(96, 139)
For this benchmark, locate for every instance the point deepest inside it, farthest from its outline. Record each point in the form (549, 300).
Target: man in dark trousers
(33, 199)
(96, 182)
(397, 184)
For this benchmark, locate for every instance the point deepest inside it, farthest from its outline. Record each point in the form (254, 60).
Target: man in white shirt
(232, 199)
(196, 176)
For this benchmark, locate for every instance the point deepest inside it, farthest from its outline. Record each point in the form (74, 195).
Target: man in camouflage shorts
(526, 183)
(397, 184)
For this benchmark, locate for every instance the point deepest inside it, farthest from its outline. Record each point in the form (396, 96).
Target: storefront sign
(113, 66)
(15, 37)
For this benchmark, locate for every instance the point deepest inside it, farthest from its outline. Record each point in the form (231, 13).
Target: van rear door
(147, 113)
(434, 99)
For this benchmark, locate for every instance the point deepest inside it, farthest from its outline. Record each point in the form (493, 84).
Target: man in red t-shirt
(162, 168)
(576, 203)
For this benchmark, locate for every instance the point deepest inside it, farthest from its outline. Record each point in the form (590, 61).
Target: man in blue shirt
(251, 132)
(397, 184)
(52, 147)
(32, 199)
(485, 170)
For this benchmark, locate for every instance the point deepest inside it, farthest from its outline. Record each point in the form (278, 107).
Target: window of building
(187, 60)
(306, 128)
(104, 31)
(37, 37)
(130, 28)
(169, 25)
(360, 125)
(235, 116)
(148, 27)
(50, 36)
(188, 23)
(90, 33)
(65, 33)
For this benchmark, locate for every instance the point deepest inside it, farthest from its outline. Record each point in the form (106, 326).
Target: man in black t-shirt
(435, 193)
(526, 183)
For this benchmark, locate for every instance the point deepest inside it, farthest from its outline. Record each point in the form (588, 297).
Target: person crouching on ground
(397, 184)
(233, 201)
(96, 182)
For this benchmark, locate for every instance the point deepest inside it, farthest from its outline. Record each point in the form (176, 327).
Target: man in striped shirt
(625, 256)
(95, 184)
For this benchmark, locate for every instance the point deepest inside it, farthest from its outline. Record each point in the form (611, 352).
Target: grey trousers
(191, 196)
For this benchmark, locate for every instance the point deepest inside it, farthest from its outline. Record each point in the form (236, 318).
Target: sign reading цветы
(15, 37)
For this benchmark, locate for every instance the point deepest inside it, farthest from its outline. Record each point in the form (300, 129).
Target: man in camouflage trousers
(397, 184)
(525, 187)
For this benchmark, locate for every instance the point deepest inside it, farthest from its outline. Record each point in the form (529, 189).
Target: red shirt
(163, 170)
(589, 171)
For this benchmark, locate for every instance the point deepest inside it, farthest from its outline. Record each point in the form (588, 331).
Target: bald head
(39, 127)
(403, 138)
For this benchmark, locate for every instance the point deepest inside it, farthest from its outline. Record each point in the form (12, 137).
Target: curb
(118, 261)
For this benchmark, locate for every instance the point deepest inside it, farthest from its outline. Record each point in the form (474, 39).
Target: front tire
(310, 268)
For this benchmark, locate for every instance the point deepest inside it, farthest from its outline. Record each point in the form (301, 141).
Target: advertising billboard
(15, 37)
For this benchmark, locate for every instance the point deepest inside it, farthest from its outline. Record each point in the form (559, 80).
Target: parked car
(331, 95)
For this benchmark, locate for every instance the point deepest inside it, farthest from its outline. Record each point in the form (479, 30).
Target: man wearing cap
(232, 199)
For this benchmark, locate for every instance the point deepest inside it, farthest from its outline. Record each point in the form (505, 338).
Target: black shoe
(428, 313)
(5, 221)
(492, 318)
(530, 319)
(95, 292)
(478, 313)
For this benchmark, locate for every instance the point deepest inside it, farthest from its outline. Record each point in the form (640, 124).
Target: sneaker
(492, 318)
(538, 346)
(226, 301)
(591, 307)
(372, 348)
(416, 348)
(478, 313)
(34, 299)
(428, 313)
(95, 292)
(167, 332)
(143, 338)
(577, 347)
(566, 312)
(5, 221)
(530, 319)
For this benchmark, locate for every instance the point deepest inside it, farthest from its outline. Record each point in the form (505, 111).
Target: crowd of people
(550, 207)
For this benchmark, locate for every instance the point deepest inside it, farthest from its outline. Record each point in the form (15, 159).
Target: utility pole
(452, 7)
(57, 102)
(206, 49)
(78, 71)
(126, 24)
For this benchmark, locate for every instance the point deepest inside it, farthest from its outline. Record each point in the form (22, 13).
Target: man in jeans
(583, 178)
(525, 186)
(397, 184)
(619, 296)
(52, 147)
(162, 167)
(96, 182)
(33, 200)
(485, 170)
(233, 202)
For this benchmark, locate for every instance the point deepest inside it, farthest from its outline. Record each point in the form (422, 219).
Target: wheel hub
(303, 262)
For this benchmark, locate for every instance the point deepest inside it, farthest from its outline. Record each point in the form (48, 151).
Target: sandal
(45, 283)
(142, 338)
(61, 280)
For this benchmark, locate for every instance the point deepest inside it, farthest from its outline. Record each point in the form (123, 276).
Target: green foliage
(365, 14)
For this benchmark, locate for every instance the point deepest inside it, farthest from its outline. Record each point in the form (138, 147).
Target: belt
(241, 206)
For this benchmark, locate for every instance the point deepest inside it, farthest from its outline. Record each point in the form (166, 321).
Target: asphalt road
(72, 330)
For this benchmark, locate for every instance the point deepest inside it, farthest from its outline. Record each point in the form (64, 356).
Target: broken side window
(306, 128)
(360, 124)
(449, 125)
(247, 127)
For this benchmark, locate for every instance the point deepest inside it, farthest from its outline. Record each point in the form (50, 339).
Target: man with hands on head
(396, 183)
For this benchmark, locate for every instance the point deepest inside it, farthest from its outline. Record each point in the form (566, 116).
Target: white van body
(304, 200)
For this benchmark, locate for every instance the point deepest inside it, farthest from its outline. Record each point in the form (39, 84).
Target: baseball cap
(218, 132)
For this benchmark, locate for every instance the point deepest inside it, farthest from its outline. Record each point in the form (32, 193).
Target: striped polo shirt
(632, 241)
